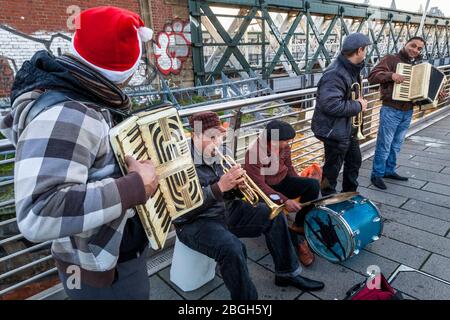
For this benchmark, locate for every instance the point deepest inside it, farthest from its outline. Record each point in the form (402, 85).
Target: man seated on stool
(214, 228)
(268, 163)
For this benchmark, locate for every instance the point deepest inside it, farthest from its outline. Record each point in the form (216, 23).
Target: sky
(410, 5)
(407, 5)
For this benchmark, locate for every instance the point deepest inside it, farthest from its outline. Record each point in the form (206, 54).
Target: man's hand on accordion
(147, 171)
(397, 78)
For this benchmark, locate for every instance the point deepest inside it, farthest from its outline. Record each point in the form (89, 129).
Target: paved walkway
(416, 234)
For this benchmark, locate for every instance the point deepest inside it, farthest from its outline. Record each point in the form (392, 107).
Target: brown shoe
(297, 229)
(305, 254)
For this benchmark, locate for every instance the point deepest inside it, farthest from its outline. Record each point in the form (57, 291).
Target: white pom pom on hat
(146, 34)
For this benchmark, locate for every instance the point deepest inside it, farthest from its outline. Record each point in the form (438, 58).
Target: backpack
(362, 291)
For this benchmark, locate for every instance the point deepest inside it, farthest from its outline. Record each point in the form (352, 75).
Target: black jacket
(215, 203)
(334, 109)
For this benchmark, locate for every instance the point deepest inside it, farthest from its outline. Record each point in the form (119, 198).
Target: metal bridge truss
(299, 37)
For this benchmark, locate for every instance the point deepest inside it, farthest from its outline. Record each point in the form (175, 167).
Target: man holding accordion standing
(395, 116)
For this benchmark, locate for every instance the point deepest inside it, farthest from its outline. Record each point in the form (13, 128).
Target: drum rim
(346, 226)
(379, 214)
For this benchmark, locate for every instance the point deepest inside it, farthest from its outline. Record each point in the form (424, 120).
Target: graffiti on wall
(17, 47)
(172, 47)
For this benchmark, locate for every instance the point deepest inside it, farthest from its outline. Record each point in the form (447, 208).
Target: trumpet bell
(360, 136)
(275, 211)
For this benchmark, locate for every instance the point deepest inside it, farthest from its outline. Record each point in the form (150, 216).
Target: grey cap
(354, 41)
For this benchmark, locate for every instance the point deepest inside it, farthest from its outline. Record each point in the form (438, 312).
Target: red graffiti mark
(6, 77)
(172, 47)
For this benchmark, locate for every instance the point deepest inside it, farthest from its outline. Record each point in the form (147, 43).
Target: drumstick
(343, 195)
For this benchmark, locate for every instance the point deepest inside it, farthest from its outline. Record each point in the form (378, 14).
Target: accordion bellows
(158, 135)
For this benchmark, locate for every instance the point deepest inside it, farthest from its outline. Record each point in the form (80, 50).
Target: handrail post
(235, 125)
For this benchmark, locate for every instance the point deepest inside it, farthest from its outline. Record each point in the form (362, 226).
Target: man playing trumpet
(332, 120)
(214, 229)
(268, 163)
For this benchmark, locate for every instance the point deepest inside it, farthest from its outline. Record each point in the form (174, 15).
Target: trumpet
(357, 121)
(250, 190)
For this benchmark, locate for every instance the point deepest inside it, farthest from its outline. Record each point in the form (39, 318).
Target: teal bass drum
(339, 231)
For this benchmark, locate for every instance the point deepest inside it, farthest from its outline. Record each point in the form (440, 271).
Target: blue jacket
(331, 121)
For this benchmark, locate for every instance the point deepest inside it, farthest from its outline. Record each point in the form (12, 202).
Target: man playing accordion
(68, 184)
(395, 116)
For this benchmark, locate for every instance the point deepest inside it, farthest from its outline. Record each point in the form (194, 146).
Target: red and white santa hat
(109, 40)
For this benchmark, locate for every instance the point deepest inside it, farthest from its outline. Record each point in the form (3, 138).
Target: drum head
(328, 235)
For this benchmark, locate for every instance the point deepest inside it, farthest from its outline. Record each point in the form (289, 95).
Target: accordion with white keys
(158, 135)
(422, 84)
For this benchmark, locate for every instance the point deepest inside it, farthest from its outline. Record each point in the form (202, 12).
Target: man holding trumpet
(335, 108)
(214, 228)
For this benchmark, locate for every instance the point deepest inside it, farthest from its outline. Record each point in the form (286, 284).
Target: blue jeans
(392, 130)
(219, 240)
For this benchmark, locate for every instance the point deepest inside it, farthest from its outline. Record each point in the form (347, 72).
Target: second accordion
(422, 84)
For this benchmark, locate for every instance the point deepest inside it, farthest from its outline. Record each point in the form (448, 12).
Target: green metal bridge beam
(361, 25)
(437, 36)
(396, 40)
(375, 41)
(321, 48)
(324, 24)
(447, 38)
(232, 43)
(198, 59)
(282, 42)
(330, 7)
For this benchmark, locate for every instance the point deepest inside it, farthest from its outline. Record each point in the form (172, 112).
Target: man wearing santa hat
(68, 185)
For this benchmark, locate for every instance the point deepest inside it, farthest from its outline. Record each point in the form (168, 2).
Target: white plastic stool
(190, 269)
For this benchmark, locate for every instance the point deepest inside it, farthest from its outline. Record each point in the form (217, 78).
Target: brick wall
(27, 26)
(29, 16)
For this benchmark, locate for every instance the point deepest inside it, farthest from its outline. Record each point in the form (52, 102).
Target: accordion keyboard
(402, 90)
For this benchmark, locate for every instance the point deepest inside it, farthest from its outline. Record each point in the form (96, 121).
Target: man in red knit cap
(215, 227)
(68, 185)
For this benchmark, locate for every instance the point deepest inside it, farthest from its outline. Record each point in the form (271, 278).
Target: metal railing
(20, 257)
